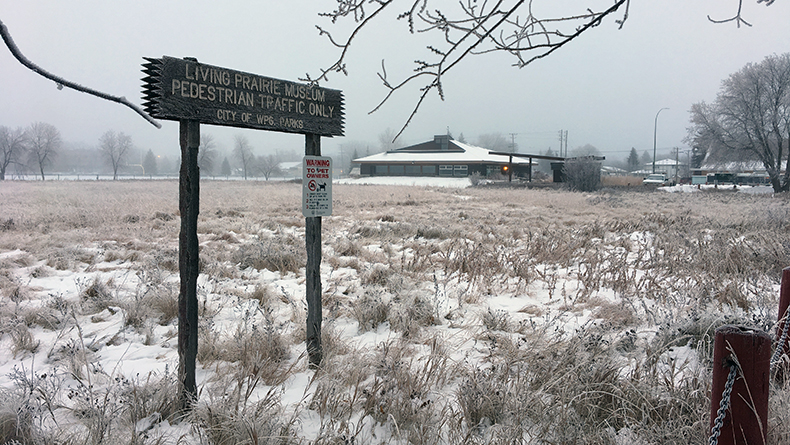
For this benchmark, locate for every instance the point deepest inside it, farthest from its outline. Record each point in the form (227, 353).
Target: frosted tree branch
(61, 82)
(470, 28)
(474, 27)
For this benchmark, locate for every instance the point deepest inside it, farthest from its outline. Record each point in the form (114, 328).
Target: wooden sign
(184, 89)
(316, 186)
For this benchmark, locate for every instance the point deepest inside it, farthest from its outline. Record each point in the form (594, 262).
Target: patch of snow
(428, 181)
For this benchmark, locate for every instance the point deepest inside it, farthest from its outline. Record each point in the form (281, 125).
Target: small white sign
(316, 186)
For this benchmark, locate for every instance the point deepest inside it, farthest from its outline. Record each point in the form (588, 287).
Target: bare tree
(115, 146)
(388, 140)
(494, 141)
(585, 150)
(268, 165)
(44, 141)
(207, 155)
(13, 145)
(750, 117)
(242, 152)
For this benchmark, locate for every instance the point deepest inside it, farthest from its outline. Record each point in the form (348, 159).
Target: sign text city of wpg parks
(183, 89)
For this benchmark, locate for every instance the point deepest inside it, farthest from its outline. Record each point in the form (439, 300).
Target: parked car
(657, 179)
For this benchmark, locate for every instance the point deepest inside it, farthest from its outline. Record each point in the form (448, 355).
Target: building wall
(446, 170)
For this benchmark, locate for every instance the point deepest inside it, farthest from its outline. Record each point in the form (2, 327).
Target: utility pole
(563, 140)
(513, 142)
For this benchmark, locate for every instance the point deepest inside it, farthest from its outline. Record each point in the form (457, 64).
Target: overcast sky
(604, 89)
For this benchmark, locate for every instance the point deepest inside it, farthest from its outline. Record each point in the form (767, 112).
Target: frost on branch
(466, 28)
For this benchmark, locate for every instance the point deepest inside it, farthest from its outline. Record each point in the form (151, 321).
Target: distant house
(442, 156)
(669, 167)
(737, 172)
(291, 169)
(608, 170)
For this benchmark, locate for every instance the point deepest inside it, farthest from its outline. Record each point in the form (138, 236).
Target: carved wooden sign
(184, 89)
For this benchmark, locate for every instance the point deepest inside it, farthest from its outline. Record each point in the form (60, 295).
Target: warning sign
(316, 186)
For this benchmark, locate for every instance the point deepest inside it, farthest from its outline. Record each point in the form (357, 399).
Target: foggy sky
(604, 89)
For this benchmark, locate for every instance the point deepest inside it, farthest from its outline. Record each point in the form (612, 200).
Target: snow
(116, 348)
(688, 188)
(407, 181)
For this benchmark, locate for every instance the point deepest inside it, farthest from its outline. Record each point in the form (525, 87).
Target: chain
(780, 347)
(724, 405)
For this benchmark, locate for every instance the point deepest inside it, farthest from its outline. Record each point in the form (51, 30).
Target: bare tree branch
(472, 28)
(737, 17)
(61, 82)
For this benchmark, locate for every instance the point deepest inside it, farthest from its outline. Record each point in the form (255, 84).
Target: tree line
(39, 149)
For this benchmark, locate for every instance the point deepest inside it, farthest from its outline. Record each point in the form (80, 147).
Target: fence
(742, 370)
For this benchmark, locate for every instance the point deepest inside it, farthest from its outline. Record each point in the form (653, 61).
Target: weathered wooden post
(316, 202)
(188, 261)
(741, 377)
(312, 229)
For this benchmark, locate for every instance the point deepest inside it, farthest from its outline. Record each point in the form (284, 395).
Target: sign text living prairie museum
(184, 89)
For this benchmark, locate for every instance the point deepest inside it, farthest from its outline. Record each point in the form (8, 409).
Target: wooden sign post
(188, 261)
(312, 233)
(192, 93)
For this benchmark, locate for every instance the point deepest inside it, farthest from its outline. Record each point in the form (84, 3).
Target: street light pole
(655, 128)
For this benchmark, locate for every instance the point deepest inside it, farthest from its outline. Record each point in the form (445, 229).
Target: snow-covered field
(452, 314)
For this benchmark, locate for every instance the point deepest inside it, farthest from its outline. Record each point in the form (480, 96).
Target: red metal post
(746, 420)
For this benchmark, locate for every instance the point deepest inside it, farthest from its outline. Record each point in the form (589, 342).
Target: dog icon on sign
(322, 186)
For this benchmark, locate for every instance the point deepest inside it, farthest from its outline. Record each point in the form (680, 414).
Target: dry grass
(653, 272)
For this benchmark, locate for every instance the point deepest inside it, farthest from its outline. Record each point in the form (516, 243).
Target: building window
(413, 170)
(396, 170)
(381, 170)
(461, 170)
(445, 170)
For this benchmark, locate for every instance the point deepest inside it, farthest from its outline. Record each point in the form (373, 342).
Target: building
(443, 156)
(733, 172)
(670, 167)
(291, 169)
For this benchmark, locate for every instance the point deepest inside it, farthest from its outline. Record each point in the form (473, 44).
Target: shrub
(23, 340)
(274, 255)
(378, 275)
(95, 297)
(370, 310)
(583, 174)
(498, 320)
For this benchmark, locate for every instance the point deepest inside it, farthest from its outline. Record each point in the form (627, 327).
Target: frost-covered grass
(451, 315)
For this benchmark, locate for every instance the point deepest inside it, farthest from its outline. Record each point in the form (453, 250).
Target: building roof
(733, 166)
(668, 162)
(441, 150)
(289, 165)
